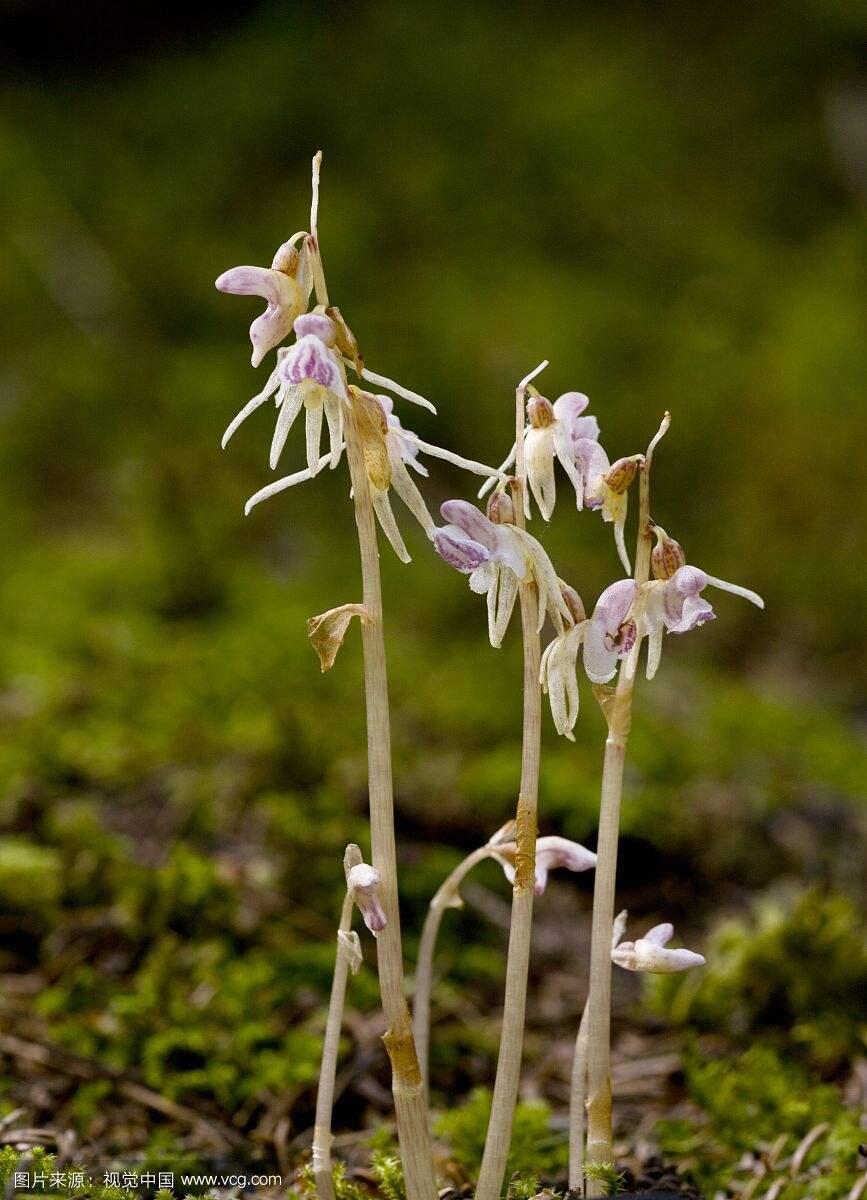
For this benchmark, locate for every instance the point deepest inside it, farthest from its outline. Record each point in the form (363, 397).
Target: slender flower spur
(558, 669)
(651, 954)
(551, 853)
(498, 557)
(286, 287)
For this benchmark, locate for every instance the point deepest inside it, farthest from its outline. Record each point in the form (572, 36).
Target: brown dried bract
(345, 338)
(372, 427)
(327, 631)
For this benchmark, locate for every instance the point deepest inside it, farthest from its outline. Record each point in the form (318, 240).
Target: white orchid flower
(308, 373)
(552, 432)
(286, 287)
(498, 557)
(558, 673)
(676, 605)
(551, 853)
(610, 633)
(363, 882)
(650, 953)
(606, 486)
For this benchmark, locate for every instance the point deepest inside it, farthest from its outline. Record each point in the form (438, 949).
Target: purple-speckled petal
(310, 359)
(590, 459)
(457, 549)
(468, 518)
(604, 642)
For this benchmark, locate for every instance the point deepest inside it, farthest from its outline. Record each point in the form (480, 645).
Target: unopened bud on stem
(667, 555)
(623, 472)
(541, 412)
(501, 510)
(573, 602)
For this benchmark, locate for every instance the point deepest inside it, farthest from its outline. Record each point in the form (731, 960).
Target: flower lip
(458, 550)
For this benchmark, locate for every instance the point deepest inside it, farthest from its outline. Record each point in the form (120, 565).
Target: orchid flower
(389, 451)
(558, 670)
(551, 853)
(606, 486)
(552, 432)
(309, 373)
(498, 557)
(363, 883)
(286, 287)
(650, 954)
(611, 631)
(675, 605)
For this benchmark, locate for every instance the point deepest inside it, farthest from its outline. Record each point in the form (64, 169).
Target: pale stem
(445, 898)
(409, 1101)
(493, 1168)
(599, 1114)
(328, 1070)
(577, 1096)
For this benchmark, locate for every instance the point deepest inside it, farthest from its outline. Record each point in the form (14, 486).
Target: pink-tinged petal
(468, 518)
(585, 429)
(310, 359)
(269, 330)
(315, 325)
(608, 637)
(660, 935)
(689, 581)
(694, 612)
(554, 852)
(570, 406)
(273, 286)
(591, 460)
(457, 549)
(655, 960)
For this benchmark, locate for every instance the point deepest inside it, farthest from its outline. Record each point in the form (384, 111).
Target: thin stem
(445, 898)
(577, 1097)
(328, 1070)
(493, 1168)
(406, 1084)
(599, 1114)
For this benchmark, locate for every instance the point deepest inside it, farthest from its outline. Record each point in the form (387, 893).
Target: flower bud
(541, 412)
(287, 259)
(500, 509)
(345, 338)
(623, 472)
(667, 556)
(573, 602)
(363, 882)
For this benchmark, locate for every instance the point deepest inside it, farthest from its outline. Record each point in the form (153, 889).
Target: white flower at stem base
(309, 373)
(650, 953)
(363, 882)
(551, 853)
(286, 287)
(498, 558)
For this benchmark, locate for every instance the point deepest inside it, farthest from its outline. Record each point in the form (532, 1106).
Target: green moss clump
(535, 1149)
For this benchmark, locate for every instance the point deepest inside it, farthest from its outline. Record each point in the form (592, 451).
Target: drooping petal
(292, 399)
(504, 466)
(539, 459)
(736, 590)
(658, 961)
(542, 570)
(483, 578)
(251, 406)
(313, 427)
(654, 650)
(334, 417)
(403, 484)
(382, 508)
(559, 680)
(459, 550)
(268, 330)
(501, 604)
(280, 485)
(552, 853)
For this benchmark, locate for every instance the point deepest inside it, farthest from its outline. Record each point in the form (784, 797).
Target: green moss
(535, 1149)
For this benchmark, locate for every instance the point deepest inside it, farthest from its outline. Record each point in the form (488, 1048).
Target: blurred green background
(666, 201)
